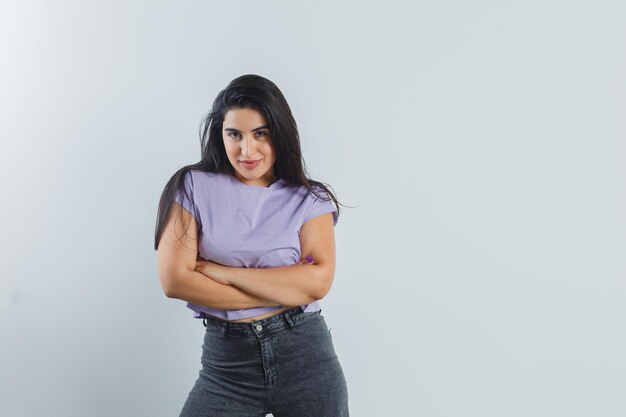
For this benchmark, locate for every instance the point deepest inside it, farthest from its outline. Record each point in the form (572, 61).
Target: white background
(481, 143)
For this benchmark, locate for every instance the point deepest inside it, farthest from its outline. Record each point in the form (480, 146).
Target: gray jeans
(285, 365)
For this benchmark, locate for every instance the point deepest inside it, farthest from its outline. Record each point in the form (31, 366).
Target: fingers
(307, 260)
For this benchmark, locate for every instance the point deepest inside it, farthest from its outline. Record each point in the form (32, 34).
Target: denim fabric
(285, 365)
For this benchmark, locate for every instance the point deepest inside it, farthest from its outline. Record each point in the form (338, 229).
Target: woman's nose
(247, 146)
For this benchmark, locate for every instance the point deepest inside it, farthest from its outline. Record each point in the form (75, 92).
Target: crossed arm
(298, 284)
(235, 288)
(286, 285)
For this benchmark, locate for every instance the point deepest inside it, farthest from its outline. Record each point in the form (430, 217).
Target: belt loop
(223, 328)
(288, 318)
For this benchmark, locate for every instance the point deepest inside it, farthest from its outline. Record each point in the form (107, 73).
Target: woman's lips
(250, 165)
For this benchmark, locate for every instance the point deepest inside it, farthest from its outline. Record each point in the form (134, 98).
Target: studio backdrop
(479, 146)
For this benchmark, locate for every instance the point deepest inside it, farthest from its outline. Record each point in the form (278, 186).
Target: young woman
(247, 239)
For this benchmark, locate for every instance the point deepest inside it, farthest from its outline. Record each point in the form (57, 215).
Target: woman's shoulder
(205, 176)
(199, 172)
(303, 191)
(205, 182)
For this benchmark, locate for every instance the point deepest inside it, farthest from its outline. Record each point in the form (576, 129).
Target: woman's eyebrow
(231, 129)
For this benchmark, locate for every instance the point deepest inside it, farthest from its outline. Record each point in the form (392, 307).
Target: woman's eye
(236, 135)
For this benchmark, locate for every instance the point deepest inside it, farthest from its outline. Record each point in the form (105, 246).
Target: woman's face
(247, 138)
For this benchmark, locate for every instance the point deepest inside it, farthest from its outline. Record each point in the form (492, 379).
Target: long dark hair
(259, 93)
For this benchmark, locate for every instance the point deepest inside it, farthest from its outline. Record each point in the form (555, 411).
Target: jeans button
(259, 327)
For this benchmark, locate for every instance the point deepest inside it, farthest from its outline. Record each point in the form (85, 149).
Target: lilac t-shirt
(249, 226)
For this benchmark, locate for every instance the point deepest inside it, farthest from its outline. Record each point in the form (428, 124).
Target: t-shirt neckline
(260, 187)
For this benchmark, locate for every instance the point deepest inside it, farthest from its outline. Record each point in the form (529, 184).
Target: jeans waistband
(287, 319)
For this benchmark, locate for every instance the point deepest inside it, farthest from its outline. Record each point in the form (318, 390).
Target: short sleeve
(187, 201)
(317, 207)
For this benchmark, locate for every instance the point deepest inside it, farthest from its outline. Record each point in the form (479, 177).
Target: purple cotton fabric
(249, 226)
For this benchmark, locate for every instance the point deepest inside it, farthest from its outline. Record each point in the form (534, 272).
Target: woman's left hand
(212, 270)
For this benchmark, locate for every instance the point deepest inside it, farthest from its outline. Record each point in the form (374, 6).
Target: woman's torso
(235, 221)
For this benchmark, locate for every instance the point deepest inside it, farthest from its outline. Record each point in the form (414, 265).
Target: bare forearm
(287, 285)
(196, 288)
